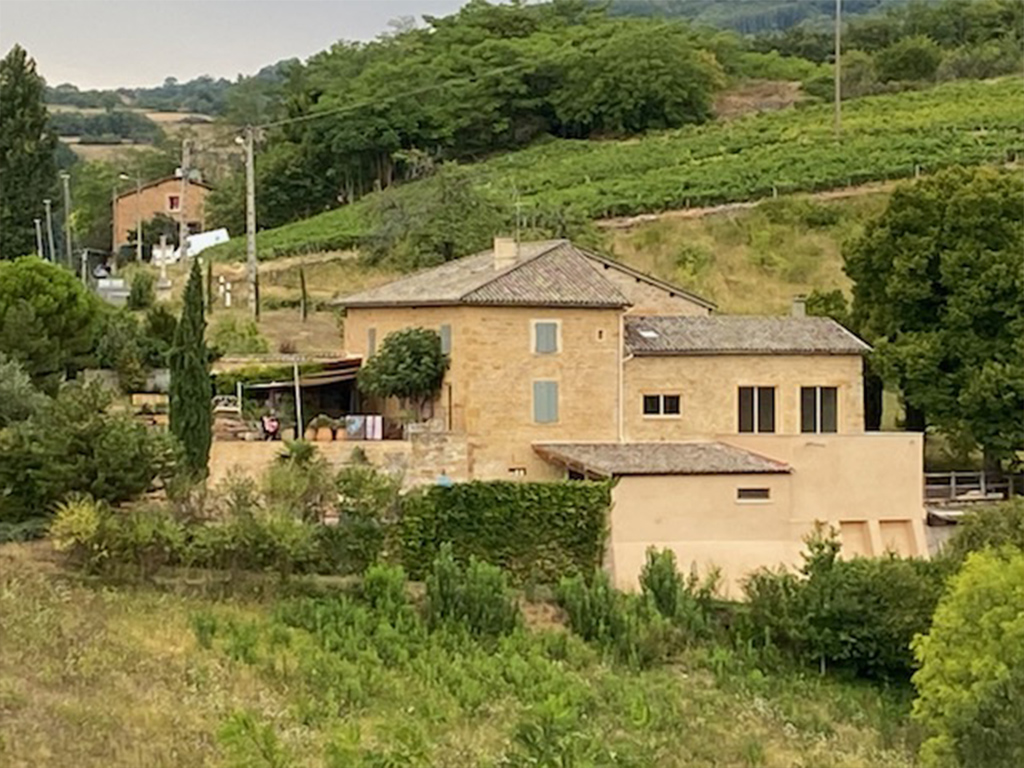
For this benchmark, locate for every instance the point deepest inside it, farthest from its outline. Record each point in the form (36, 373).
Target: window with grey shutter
(545, 402)
(371, 342)
(446, 339)
(545, 338)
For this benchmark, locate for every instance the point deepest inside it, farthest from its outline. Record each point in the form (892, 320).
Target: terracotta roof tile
(739, 334)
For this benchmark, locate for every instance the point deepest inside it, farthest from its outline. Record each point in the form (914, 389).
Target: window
(661, 405)
(545, 337)
(174, 202)
(446, 339)
(545, 402)
(371, 342)
(818, 409)
(757, 409)
(753, 494)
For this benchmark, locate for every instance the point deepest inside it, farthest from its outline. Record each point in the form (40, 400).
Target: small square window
(661, 405)
(174, 202)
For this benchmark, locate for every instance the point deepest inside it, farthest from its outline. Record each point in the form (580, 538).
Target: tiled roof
(548, 273)
(694, 458)
(739, 334)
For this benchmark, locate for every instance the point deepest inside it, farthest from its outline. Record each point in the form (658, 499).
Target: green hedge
(536, 531)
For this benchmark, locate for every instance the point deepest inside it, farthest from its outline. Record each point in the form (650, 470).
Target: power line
(368, 103)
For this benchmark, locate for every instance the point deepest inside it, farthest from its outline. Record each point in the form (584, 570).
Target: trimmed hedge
(536, 531)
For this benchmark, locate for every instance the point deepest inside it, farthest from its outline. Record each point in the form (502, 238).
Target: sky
(112, 43)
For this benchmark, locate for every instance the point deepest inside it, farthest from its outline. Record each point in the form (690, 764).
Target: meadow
(185, 672)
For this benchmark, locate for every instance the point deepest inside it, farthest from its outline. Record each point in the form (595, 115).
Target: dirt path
(627, 222)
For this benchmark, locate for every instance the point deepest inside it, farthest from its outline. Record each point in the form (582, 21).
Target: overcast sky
(110, 43)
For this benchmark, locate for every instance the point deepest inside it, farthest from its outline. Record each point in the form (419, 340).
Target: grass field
(98, 675)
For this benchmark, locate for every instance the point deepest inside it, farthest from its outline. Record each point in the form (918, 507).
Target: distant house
(729, 436)
(160, 196)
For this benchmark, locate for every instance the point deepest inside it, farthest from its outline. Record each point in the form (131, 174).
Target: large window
(661, 405)
(546, 337)
(545, 402)
(757, 409)
(818, 409)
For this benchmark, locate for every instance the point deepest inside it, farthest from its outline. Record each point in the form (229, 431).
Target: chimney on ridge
(799, 306)
(506, 252)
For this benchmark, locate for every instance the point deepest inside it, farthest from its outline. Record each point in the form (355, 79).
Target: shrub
(994, 527)
(18, 398)
(475, 597)
(858, 614)
(535, 531)
(74, 445)
(629, 627)
(230, 336)
(687, 603)
(971, 681)
(299, 482)
(142, 293)
(367, 504)
(383, 589)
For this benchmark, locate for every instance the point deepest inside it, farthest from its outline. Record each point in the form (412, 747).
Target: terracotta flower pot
(324, 434)
(310, 433)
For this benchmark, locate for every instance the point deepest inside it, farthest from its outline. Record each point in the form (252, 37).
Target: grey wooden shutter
(446, 339)
(545, 402)
(547, 338)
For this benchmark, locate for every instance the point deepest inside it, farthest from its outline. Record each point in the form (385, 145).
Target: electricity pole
(838, 78)
(65, 177)
(49, 230)
(183, 228)
(250, 219)
(39, 238)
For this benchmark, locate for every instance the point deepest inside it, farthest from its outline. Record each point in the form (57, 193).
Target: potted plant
(324, 426)
(310, 433)
(339, 428)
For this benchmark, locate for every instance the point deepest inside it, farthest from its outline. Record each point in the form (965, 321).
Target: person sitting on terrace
(271, 427)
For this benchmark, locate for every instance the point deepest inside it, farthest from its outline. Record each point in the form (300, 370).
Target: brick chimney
(799, 306)
(506, 252)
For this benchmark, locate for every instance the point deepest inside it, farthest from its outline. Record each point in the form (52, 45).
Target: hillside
(884, 137)
(192, 680)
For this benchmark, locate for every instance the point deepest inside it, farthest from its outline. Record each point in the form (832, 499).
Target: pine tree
(191, 414)
(27, 147)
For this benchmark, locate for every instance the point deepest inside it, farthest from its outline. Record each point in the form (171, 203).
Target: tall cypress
(27, 146)
(191, 411)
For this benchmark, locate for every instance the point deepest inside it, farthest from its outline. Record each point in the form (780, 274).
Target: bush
(18, 398)
(367, 504)
(475, 597)
(299, 482)
(858, 614)
(535, 531)
(689, 603)
(74, 445)
(971, 681)
(383, 589)
(231, 336)
(629, 627)
(994, 527)
(142, 294)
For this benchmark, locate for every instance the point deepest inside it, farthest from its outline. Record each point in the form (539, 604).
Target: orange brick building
(160, 196)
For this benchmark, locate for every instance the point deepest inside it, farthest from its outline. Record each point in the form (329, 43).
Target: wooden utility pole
(65, 178)
(838, 77)
(250, 220)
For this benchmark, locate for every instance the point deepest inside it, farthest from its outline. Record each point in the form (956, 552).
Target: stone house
(729, 436)
(160, 196)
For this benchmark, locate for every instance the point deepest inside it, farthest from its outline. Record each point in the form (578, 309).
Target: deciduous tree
(409, 366)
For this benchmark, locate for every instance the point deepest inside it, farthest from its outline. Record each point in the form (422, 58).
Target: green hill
(884, 137)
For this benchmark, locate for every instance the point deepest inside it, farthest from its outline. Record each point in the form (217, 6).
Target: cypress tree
(191, 412)
(27, 147)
